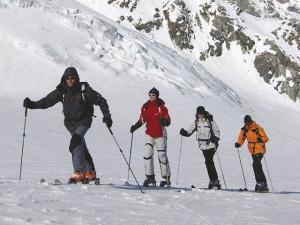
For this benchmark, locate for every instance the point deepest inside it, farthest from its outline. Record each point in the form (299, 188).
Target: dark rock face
(131, 4)
(185, 24)
(224, 32)
(293, 9)
(247, 6)
(180, 30)
(272, 66)
(283, 1)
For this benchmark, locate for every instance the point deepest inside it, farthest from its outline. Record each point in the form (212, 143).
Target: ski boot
(76, 177)
(89, 176)
(166, 182)
(150, 179)
(261, 187)
(214, 184)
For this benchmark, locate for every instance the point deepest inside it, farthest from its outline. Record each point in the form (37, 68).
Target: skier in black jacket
(78, 99)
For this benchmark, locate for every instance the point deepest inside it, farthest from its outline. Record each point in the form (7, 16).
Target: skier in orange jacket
(257, 139)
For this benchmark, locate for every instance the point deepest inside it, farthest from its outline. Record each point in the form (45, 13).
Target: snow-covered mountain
(40, 38)
(266, 32)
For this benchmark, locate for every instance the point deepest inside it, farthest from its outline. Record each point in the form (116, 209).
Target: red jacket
(151, 113)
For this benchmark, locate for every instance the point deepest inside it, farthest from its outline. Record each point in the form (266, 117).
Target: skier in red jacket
(155, 114)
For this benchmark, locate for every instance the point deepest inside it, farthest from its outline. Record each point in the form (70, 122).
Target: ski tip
(42, 181)
(57, 181)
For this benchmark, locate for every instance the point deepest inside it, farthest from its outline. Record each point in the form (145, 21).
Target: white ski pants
(160, 144)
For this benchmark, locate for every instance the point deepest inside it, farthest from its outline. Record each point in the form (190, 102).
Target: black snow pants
(257, 167)
(209, 162)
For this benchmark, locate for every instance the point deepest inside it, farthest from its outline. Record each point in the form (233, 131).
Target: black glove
(237, 145)
(27, 103)
(259, 140)
(164, 122)
(183, 132)
(133, 128)
(108, 121)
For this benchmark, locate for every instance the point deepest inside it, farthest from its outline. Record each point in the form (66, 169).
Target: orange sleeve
(242, 137)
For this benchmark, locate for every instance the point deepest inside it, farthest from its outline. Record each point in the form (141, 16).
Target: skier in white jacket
(208, 135)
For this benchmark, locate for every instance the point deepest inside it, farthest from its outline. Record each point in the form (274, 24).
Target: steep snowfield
(37, 43)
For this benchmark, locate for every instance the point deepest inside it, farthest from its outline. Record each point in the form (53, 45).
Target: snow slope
(39, 39)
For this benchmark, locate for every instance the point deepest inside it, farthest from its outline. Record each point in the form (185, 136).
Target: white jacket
(203, 133)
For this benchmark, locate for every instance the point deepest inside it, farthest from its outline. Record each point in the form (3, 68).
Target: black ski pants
(210, 165)
(257, 167)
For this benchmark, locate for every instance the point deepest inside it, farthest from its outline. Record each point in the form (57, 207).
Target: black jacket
(77, 102)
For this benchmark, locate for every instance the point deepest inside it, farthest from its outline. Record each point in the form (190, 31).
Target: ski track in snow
(28, 202)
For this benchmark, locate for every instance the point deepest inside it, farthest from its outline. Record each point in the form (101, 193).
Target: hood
(70, 71)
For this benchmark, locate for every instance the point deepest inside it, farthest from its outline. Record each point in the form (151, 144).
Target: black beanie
(247, 119)
(154, 91)
(200, 110)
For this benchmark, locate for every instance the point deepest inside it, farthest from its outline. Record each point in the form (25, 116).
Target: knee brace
(148, 154)
(75, 141)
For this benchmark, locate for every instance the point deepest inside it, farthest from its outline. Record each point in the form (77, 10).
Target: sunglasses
(70, 78)
(152, 95)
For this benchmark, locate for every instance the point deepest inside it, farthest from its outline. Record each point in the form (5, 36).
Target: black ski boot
(261, 187)
(214, 184)
(150, 179)
(166, 182)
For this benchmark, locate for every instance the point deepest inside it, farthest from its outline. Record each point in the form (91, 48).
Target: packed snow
(39, 39)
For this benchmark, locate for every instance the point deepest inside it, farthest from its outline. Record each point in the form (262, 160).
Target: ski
(246, 190)
(135, 187)
(59, 182)
(201, 188)
(220, 189)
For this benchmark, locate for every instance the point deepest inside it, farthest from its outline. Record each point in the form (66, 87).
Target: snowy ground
(123, 66)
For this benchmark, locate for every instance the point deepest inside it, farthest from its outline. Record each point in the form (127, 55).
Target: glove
(163, 122)
(132, 128)
(108, 121)
(183, 132)
(27, 103)
(259, 140)
(237, 145)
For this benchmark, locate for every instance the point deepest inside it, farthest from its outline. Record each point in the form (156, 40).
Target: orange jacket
(252, 132)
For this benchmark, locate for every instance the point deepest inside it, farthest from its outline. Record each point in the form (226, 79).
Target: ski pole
(268, 173)
(20, 175)
(178, 167)
(130, 156)
(125, 158)
(221, 170)
(242, 170)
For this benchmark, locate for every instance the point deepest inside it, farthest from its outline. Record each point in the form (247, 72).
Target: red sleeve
(143, 115)
(165, 114)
